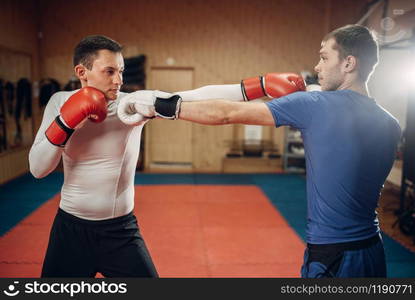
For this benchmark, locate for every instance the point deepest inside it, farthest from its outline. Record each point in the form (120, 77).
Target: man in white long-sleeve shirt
(95, 229)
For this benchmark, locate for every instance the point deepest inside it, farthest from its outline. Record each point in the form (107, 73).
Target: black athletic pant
(81, 248)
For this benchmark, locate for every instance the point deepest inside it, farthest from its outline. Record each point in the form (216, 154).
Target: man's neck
(356, 86)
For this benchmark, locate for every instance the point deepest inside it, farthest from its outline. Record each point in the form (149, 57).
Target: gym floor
(195, 225)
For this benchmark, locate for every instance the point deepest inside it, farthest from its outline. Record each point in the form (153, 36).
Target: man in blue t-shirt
(350, 143)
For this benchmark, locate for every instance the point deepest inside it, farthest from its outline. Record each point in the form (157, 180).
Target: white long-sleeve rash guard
(99, 159)
(231, 92)
(99, 163)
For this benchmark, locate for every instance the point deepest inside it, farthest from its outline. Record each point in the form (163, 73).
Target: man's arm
(137, 107)
(231, 92)
(58, 124)
(220, 112)
(43, 156)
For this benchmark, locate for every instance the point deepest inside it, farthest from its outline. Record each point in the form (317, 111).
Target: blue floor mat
(234, 179)
(20, 197)
(287, 192)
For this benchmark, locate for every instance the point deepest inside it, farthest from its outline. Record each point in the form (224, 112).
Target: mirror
(16, 100)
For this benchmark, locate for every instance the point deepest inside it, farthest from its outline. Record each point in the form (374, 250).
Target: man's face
(106, 73)
(329, 68)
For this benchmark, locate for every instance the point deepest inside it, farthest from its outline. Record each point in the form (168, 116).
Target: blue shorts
(365, 258)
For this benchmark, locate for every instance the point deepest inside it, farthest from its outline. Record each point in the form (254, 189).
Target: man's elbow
(36, 169)
(229, 116)
(226, 120)
(220, 119)
(225, 116)
(38, 174)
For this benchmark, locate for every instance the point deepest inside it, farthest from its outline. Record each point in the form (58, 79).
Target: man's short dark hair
(358, 41)
(87, 49)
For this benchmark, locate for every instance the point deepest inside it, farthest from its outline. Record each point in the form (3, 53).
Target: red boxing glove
(272, 85)
(88, 102)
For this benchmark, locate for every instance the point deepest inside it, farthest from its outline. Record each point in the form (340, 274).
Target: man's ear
(80, 72)
(350, 63)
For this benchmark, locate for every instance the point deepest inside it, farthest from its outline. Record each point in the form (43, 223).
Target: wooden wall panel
(168, 141)
(15, 65)
(19, 58)
(18, 23)
(223, 41)
(343, 12)
(13, 165)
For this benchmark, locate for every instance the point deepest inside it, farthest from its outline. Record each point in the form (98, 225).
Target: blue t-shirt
(350, 144)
